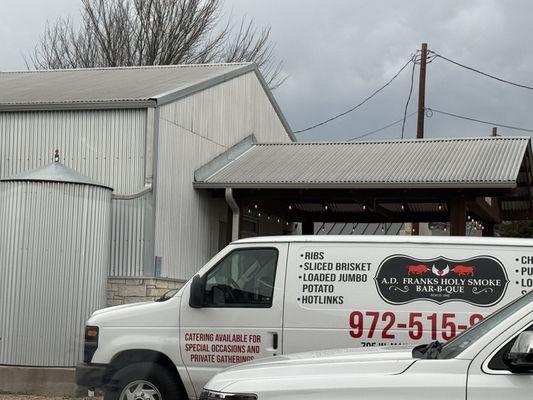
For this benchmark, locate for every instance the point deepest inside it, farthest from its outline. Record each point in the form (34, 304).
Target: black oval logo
(481, 281)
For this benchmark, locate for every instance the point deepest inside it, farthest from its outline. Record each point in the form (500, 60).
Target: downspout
(236, 214)
(147, 189)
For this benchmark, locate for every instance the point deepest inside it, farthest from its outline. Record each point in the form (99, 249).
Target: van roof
(450, 240)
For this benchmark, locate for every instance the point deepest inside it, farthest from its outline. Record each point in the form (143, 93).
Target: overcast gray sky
(337, 52)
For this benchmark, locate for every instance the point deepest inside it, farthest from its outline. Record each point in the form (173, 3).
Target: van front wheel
(142, 381)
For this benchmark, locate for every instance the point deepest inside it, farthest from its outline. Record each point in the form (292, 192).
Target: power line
(408, 98)
(383, 127)
(430, 111)
(481, 72)
(412, 59)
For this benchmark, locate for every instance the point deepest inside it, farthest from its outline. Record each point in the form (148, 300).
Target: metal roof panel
(108, 85)
(493, 161)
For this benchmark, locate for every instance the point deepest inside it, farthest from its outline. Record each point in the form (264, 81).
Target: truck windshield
(461, 342)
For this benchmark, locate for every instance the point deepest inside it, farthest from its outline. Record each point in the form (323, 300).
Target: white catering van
(269, 296)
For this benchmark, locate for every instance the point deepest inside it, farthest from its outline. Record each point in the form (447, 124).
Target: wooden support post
(308, 228)
(229, 219)
(458, 217)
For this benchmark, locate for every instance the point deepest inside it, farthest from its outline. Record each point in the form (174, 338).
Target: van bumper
(91, 375)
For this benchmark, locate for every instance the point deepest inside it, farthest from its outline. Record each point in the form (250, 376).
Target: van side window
(244, 278)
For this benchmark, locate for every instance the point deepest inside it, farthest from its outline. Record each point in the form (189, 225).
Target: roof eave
(275, 104)
(349, 185)
(93, 105)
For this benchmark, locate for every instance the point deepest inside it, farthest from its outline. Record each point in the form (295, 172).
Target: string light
(382, 227)
(290, 207)
(364, 207)
(402, 207)
(249, 211)
(353, 227)
(259, 214)
(325, 207)
(277, 220)
(323, 228)
(255, 206)
(440, 206)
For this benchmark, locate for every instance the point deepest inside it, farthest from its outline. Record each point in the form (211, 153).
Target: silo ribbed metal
(105, 145)
(54, 257)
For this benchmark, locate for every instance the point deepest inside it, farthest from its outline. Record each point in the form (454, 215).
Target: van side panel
(383, 294)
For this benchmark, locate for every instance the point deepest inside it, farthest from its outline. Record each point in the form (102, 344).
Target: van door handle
(275, 341)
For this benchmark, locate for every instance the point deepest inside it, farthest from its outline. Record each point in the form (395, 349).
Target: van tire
(152, 374)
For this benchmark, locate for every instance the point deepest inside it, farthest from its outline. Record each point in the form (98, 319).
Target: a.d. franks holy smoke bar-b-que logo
(480, 280)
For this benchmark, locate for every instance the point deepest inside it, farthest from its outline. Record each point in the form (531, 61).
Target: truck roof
(448, 240)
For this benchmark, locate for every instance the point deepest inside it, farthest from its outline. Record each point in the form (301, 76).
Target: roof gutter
(92, 105)
(354, 185)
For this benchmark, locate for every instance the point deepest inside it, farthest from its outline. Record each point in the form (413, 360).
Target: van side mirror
(196, 299)
(520, 357)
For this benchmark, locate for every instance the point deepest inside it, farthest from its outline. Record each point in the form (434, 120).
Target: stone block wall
(125, 290)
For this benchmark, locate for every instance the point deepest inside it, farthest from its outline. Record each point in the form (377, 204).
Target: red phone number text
(370, 324)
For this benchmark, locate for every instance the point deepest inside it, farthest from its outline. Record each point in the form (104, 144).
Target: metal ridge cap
(418, 141)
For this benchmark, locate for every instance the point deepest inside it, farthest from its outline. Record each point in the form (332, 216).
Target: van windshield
(461, 342)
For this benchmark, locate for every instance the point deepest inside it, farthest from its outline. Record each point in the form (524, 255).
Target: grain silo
(54, 256)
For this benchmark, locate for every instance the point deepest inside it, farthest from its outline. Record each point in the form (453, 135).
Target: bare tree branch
(154, 32)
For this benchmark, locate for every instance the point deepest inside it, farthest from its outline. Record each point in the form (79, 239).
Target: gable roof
(121, 87)
(147, 86)
(429, 163)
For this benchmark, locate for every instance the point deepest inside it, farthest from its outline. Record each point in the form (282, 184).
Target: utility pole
(422, 91)
(421, 109)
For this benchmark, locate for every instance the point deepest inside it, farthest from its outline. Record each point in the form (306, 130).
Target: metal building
(143, 131)
(54, 256)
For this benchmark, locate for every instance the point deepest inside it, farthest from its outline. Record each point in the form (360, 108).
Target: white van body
(268, 296)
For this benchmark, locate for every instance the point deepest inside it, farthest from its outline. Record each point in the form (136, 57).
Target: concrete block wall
(125, 290)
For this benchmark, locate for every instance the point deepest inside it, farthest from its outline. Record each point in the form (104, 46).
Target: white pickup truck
(491, 360)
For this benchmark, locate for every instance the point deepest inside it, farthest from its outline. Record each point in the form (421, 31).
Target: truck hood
(309, 365)
(146, 314)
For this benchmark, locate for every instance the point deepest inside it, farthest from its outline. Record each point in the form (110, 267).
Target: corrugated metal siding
(440, 161)
(106, 145)
(193, 131)
(54, 256)
(128, 237)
